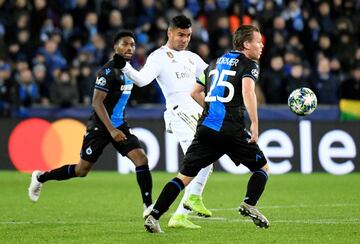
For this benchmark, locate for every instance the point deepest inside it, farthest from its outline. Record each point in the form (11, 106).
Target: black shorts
(209, 145)
(97, 138)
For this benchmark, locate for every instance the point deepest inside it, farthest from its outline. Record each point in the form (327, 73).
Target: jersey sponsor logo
(100, 81)
(255, 73)
(170, 55)
(127, 87)
(182, 75)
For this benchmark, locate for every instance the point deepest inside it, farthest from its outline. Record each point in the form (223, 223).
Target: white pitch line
(55, 222)
(282, 221)
(335, 205)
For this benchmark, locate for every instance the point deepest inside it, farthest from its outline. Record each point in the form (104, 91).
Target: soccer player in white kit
(176, 70)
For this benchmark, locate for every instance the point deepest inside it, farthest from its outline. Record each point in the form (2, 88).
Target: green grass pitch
(105, 207)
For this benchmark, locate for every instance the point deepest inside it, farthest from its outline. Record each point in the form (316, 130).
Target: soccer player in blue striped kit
(225, 90)
(107, 124)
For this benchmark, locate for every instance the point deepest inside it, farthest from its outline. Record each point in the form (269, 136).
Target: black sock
(168, 195)
(63, 173)
(144, 180)
(256, 186)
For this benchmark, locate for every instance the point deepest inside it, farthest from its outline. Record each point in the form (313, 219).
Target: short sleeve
(200, 64)
(103, 80)
(252, 71)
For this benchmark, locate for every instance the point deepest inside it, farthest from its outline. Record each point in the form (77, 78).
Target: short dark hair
(180, 21)
(242, 34)
(122, 34)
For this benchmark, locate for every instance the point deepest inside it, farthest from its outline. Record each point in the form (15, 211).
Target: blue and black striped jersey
(118, 88)
(224, 105)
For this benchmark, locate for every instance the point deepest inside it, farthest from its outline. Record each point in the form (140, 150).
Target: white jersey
(175, 72)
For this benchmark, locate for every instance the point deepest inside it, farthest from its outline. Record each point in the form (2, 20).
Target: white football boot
(35, 186)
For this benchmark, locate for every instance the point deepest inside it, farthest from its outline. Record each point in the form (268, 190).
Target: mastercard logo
(37, 144)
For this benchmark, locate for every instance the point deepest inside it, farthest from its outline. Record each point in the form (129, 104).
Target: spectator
(91, 22)
(324, 17)
(82, 7)
(178, 8)
(43, 82)
(326, 84)
(62, 92)
(6, 88)
(350, 88)
(27, 91)
(39, 13)
(296, 79)
(203, 51)
(85, 84)
(68, 29)
(293, 17)
(53, 57)
(345, 50)
(272, 80)
(115, 21)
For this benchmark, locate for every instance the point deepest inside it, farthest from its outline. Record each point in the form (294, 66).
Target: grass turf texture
(105, 207)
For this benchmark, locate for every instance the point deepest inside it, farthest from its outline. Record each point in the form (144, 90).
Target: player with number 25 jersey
(224, 107)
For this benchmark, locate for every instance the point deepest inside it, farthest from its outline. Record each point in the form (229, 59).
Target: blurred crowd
(50, 51)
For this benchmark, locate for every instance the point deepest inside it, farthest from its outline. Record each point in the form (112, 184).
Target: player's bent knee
(140, 160)
(143, 160)
(138, 157)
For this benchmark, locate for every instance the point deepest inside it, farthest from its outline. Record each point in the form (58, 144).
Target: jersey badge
(170, 55)
(100, 81)
(190, 61)
(255, 73)
(88, 151)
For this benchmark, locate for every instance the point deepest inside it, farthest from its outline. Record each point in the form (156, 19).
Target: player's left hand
(254, 133)
(118, 135)
(119, 61)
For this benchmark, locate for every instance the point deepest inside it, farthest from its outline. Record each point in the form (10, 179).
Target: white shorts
(182, 122)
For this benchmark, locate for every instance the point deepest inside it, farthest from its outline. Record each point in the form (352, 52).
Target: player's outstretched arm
(138, 78)
(146, 75)
(249, 96)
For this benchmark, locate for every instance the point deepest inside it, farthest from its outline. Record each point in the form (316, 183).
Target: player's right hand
(119, 61)
(254, 131)
(118, 135)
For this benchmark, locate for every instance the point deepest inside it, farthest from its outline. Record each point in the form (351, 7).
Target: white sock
(180, 209)
(195, 187)
(199, 182)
